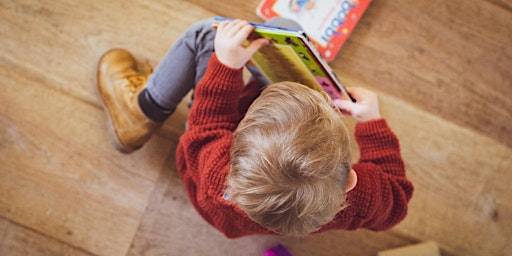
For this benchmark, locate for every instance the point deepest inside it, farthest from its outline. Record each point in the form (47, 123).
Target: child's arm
(379, 200)
(383, 190)
(218, 92)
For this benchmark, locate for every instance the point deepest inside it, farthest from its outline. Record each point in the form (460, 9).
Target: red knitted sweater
(378, 202)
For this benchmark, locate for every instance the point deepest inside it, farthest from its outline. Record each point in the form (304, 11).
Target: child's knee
(283, 23)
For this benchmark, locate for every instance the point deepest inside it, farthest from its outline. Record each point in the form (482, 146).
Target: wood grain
(450, 58)
(17, 240)
(456, 173)
(62, 180)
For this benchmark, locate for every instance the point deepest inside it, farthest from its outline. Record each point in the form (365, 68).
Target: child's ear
(351, 181)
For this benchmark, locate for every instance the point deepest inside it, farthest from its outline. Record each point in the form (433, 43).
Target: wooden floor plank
(457, 175)
(65, 50)
(61, 179)
(451, 58)
(17, 240)
(232, 9)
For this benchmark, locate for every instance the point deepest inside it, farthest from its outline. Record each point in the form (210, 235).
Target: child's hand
(228, 43)
(365, 108)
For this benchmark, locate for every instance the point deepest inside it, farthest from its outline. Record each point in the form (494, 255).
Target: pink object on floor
(278, 250)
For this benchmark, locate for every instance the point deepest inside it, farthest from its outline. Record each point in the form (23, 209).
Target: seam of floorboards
(47, 236)
(500, 4)
(42, 79)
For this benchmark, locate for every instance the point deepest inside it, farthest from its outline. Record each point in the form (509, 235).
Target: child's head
(290, 160)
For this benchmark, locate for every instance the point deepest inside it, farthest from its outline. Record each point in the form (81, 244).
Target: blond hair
(290, 160)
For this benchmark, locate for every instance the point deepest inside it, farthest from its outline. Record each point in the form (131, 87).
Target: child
(280, 165)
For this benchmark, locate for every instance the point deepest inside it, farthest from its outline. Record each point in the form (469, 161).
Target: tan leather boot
(119, 84)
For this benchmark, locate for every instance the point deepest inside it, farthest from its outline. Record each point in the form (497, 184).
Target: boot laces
(134, 83)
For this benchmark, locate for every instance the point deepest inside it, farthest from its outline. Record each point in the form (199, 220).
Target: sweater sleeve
(383, 192)
(216, 96)
(203, 152)
(380, 198)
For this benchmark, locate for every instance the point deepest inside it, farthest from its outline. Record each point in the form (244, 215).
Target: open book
(292, 57)
(328, 23)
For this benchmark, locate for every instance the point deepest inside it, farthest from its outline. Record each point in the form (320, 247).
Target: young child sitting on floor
(259, 159)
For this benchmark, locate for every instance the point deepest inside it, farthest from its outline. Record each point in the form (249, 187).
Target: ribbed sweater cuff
(371, 127)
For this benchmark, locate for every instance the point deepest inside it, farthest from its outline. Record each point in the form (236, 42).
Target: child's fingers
(243, 32)
(226, 27)
(346, 106)
(355, 92)
(238, 30)
(256, 45)
(235, 26)
(361, 94)
(222, 25)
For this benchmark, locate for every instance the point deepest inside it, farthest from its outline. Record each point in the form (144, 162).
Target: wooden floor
(443, 71)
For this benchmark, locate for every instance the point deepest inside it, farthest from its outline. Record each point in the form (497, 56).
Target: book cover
(327, 23)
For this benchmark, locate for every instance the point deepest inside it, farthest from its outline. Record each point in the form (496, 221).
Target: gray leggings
(185, 63)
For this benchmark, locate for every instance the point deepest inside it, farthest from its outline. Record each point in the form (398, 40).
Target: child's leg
(183, 67)
(179, 71)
